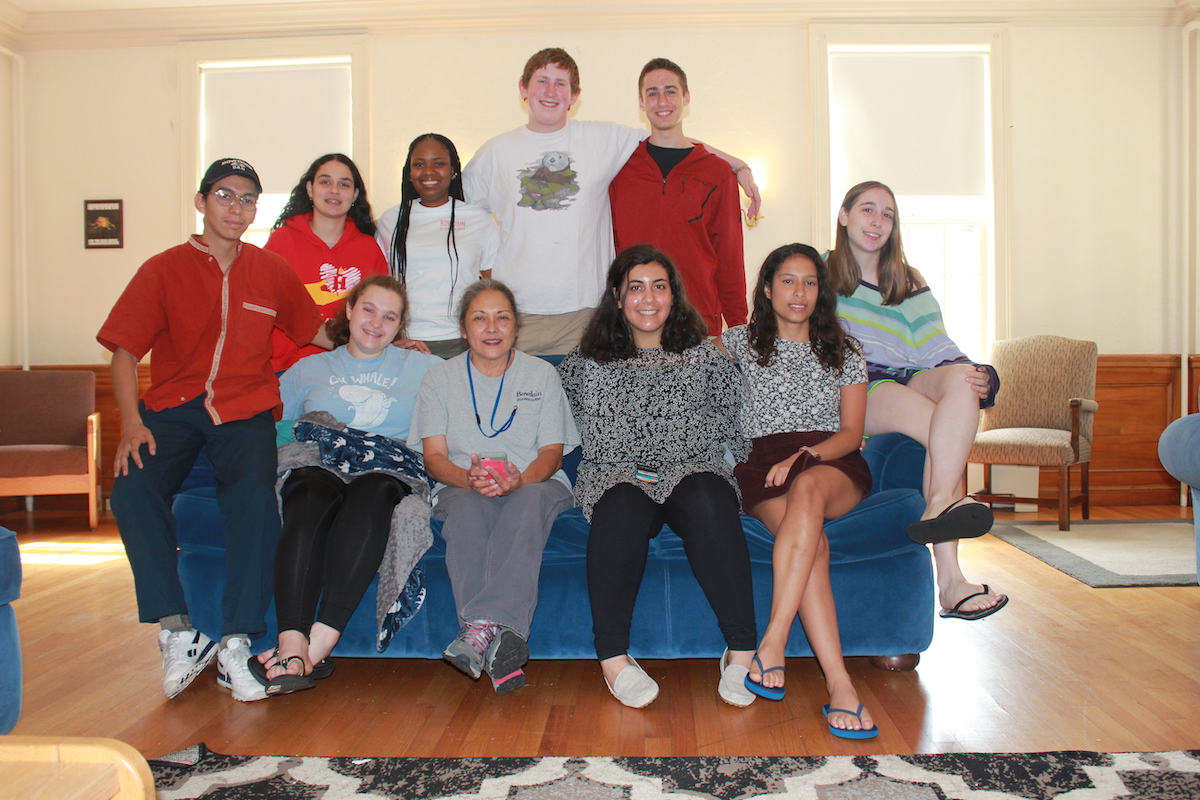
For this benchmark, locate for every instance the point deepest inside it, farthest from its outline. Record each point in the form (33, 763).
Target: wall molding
(1138, 397)
(165, 26)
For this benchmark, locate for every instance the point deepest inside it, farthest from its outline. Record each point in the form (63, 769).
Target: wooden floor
(1063, 667)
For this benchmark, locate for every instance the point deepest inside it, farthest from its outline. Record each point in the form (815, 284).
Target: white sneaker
(185, 654)
(234, 673)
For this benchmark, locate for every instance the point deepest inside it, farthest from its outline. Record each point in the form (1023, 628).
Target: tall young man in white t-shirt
(547, 183)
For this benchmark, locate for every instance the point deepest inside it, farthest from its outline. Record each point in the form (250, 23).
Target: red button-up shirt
(211, 330)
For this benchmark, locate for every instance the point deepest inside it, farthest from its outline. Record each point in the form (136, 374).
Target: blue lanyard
(500, 391)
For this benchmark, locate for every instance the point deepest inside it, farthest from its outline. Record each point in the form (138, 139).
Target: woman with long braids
(436, 244)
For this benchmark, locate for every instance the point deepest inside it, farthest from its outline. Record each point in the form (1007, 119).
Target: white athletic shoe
(234, 673)
(185, 654)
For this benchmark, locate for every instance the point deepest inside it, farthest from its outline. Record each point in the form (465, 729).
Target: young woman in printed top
(437, 244)
(921, 384)
(336, 526)
(325, 233)
(656, 403)
(493, 424)
(803, 406)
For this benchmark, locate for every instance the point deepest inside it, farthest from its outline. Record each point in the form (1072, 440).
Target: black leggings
(319, 510)
(703, 511)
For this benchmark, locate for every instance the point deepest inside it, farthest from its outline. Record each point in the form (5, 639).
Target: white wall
(102, 124)
(8, 283)
(1095, 166)
(1092, 155)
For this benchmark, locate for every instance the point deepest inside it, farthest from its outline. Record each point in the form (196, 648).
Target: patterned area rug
(200, 773)
(1112, 553)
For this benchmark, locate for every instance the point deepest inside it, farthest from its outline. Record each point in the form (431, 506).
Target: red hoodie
(694, 216)
(328, 273)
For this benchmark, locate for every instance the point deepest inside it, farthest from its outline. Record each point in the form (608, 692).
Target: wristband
(736, 170)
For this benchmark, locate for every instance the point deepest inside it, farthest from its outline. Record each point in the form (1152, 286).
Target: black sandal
(956, 522)
(289, 683)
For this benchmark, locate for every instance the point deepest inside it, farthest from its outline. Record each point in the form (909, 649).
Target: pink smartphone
(497, 461)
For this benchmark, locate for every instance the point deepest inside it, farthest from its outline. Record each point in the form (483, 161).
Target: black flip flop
(979, 613)
(956, 522)
(288, 683)
(321, 670)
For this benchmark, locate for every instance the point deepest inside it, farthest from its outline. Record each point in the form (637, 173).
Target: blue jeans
(243, 457)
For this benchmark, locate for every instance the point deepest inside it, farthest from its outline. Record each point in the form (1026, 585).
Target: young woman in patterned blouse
(804, 401)
(655, 403)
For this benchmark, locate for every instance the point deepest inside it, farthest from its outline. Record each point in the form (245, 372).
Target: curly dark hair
(825, 333)
(301, 203)
(338, 327)
(608, 336)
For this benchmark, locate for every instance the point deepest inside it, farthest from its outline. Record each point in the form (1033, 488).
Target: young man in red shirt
(675, 194)
(207, 309)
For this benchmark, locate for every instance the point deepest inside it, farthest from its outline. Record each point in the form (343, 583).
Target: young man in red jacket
(206, 309)
(682, 199)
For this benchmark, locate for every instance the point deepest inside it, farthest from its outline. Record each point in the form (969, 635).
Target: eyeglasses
(228, 198)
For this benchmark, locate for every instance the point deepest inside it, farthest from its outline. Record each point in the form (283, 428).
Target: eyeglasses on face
(228, 198)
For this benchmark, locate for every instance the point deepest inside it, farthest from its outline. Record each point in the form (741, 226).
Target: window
(915, 109)
(279, 109)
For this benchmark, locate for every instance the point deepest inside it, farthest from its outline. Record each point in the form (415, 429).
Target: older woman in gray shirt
(493, 424)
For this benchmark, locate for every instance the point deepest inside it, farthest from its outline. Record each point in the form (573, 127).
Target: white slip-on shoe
(633, 686)
(185, 654)
(732, 688)
(234, 673)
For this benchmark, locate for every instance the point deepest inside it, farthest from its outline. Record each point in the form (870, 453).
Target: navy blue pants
(243, 457)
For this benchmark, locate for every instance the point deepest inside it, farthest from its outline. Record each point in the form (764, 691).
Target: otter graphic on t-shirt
(370, 405)
(549, 183)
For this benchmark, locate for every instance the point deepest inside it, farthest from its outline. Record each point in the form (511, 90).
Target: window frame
(997, 290)
(193, 54)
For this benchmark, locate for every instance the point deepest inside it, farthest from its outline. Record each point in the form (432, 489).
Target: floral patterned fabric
(795, 393)
(670, 413)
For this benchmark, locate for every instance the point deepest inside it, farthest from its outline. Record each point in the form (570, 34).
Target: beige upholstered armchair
(50, 435)
(1042, 416)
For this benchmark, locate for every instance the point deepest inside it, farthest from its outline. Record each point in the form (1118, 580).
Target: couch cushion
(46, 406)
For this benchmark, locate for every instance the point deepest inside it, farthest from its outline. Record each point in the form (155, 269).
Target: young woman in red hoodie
(327, 234)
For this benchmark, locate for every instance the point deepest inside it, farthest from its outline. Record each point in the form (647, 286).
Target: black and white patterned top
(669, 412)
(795, 393)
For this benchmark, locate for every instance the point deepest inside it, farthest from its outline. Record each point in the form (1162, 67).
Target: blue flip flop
(769, 692)
(842, 733)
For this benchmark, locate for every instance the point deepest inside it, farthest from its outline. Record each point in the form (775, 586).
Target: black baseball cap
(223, 168)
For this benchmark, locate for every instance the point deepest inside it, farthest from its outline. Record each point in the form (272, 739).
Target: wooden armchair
(1042, 417)
(50, 435)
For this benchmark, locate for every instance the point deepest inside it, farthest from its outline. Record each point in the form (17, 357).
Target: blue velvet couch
(882, 581)
(10, 642)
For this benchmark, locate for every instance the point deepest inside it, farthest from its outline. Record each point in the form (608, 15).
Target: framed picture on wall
(103, 223)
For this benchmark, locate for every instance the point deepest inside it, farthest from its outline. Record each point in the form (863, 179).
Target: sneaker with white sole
(185, 654)
(234, 673)
(466, 653)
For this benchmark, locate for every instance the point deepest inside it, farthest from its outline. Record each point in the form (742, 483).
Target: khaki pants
(552, 334)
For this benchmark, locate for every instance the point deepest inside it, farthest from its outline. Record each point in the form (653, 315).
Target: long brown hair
(897, 280)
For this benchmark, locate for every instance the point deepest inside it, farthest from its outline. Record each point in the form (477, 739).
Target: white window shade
(278, 117)
(917, 122)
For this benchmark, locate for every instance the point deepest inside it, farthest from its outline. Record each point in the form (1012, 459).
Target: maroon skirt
(770, 450)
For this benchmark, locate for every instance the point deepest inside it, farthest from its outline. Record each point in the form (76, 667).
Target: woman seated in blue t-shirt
(344, 476)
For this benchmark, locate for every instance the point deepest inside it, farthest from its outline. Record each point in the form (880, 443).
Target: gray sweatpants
(494, 549)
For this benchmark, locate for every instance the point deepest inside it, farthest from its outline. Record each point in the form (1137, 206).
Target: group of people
(396, 348)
